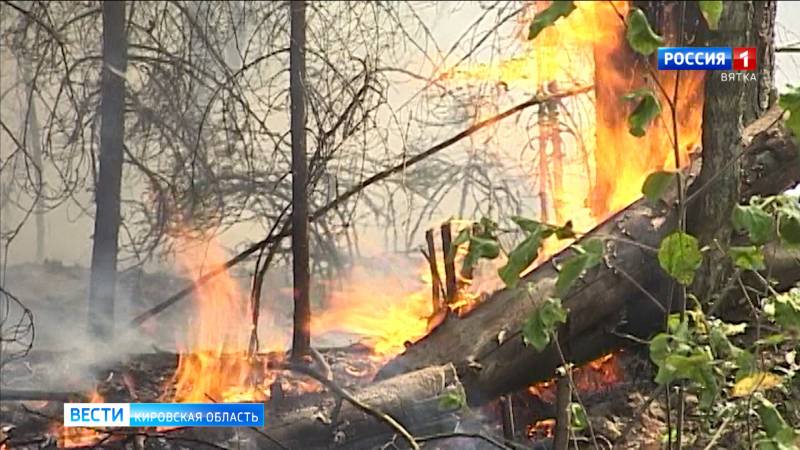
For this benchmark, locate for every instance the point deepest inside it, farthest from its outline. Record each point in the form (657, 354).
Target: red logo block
(744, 58)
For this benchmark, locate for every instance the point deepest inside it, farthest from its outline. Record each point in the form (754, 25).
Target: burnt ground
(626, 413)
(622, 412)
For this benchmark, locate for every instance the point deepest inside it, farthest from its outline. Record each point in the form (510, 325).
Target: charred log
(625, 295)
(421, 401)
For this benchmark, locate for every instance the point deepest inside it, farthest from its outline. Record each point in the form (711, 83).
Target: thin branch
(339, 391)
(380, 176)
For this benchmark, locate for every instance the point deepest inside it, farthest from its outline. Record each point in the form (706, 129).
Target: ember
(594, 377)
(542, 429)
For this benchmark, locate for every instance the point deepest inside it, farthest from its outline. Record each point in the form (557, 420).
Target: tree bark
(728, 105)
(416, 400)
(107, 191)
(301, 339)
(619, 295)
(759, 98)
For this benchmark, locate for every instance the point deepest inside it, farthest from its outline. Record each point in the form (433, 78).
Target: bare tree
(301, 339)
(107, 194)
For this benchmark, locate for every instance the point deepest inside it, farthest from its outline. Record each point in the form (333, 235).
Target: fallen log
(421, 401)
(627, 293)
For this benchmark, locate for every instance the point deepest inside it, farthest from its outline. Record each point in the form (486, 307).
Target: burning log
(486, 345)
(420, 401)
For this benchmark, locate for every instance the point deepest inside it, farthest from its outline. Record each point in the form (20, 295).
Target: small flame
(71, 437)
(542, 429)
(594, 377)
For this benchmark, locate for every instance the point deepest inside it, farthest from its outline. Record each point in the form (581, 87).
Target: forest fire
(583, 176)
(603, 164)
(591, 378)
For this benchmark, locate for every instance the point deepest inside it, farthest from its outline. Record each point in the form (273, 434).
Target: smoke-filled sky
(68, 232)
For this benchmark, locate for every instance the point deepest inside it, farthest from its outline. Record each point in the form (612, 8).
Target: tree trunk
(761, 94)
(107, 191)
(728, 105)
(32, 121)
(301, 339)
(486, 345)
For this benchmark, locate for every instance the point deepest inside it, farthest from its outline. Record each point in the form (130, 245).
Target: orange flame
(593, 377)
(584, 176)
(589, 174)
(71, 437)
(214, 365)
(368, 305)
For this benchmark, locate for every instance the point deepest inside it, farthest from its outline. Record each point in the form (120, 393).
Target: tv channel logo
(707, 58)
(163, 414)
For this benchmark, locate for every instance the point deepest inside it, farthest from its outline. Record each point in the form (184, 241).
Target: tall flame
(213, 365)
(598, 169)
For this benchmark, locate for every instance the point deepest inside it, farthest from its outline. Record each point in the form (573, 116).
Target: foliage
(712, 11)
(453, 400)
(548, 16)
(524, 254)
(482, 240)
(656, 184)
(645, 112)
(586, 256)
(679, 255)
(640, 35)
(765, 219)
(695, 348)
(747, 258)
(540, 327)
(578, 417)
(790, 101)
(777, 434)
(784, 310)
(698, 349)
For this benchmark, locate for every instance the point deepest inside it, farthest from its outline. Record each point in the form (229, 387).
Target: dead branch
(380, 176)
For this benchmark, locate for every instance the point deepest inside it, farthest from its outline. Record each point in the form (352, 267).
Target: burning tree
(622, 267)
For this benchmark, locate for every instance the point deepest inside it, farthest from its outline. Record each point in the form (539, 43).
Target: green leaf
(463, 237)
(645, 112)
(785, 309)
(481, 247)
(679, 255)
(452, 400)
(588, 255)
(577, 417)
(790, 101)
(789, 230)
(770, 417)
(757, 222)
(656, 184)
(540, 326)
(659, 348)
(566, 231)
(529, 225)
(789, 222)
(548, 16)
(747, 258)
(520, 258)
(640, 36)
(712, 11)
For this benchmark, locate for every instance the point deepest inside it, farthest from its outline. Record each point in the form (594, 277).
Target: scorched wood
(414, 399)
(486, 345)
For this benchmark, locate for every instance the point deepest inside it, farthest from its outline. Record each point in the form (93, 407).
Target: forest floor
(628, 413)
